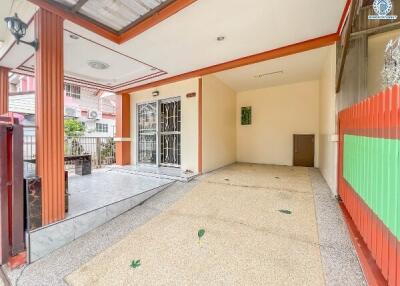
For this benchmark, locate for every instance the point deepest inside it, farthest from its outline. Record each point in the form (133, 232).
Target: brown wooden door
(303, 150)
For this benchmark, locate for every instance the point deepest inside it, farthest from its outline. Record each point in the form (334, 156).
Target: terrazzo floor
(260, 229)
(248, 241)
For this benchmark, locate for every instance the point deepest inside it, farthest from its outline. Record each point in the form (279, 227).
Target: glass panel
(170, 125)
(147, 129)
(171, 149)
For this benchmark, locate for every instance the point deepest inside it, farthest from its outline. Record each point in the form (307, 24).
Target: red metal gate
(369, 176)
(11, 189)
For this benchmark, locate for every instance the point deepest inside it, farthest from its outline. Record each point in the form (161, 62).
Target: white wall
(327, 121)
(277, 113)
(189, 128)
(219, 124)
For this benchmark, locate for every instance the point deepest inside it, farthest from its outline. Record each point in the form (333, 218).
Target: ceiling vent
(268, 74)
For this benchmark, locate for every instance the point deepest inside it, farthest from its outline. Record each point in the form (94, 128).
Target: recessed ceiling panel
(91, 62)
(300, 67)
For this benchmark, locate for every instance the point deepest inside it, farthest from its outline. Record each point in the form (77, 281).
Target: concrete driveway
(260, 229)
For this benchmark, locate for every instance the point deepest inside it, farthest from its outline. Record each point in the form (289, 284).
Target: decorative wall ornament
(246, 115)
(391, 67)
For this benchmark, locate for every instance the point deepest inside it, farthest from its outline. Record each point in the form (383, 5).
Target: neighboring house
(95, 109)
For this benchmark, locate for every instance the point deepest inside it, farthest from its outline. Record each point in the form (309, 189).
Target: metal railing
(102, 149)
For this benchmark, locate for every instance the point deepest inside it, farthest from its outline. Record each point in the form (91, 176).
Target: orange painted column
(3, 90)
(123, 134)
(49, 74)
(200, 128)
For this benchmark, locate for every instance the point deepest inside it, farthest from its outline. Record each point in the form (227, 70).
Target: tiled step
(155, 174)
(44, 240)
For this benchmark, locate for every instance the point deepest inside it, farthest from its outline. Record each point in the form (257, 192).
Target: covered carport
(253, 110)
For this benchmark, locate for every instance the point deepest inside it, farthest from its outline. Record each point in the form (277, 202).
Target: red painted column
(123, 134)
(49, 74)
(200, 128)
(3, 90)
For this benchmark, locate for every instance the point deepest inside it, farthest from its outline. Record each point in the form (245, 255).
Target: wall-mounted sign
(246, 115)
(191, 94)
(382, 8)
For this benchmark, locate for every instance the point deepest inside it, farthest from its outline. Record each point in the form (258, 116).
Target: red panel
(49, 76)
(200, 128)
(3, 90)
(123, 119)
(377, 116)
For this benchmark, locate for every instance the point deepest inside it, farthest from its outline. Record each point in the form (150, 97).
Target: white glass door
(147, 133)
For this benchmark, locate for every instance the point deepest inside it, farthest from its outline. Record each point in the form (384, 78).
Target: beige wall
(278, 113)
(376, 51)
(219, 124)
(189, 132)
(327, 121)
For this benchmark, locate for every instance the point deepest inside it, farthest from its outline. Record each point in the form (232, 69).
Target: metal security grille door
(147, 133)
(170, 132)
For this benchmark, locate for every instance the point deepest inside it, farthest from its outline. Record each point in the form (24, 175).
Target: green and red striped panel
(372, 168)
(369, 179)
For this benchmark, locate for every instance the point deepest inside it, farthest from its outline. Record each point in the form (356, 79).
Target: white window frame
(72, 90)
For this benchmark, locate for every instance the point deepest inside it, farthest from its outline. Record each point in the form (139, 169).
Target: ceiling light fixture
(98, 65)
(18, 30)
(267, 74)
(220, 38)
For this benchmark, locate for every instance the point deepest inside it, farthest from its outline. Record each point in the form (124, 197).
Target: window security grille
(73, 91)
(100, 127)
(170, 131)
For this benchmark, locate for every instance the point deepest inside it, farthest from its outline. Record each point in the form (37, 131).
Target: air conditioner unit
(72, 112)
(94, 114)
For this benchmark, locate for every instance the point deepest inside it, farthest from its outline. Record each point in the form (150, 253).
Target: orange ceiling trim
(154, 19)
(344, 16)
(268, 55)
(119, 38)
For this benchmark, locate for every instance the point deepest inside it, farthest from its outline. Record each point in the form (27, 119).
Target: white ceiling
(187, 40)
(122, 68)
(304, 66)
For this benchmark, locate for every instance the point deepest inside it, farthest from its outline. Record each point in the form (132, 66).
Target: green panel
(372, 167)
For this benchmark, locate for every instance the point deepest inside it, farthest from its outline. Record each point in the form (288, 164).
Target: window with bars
(73, 91)
(101, 127)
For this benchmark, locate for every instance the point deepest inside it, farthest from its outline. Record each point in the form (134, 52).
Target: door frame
(137, 133)
(158, 133)
(166, 100)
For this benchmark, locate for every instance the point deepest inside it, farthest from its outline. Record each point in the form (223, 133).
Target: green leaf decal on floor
(285, 211)
(200, 233)
(135, 263)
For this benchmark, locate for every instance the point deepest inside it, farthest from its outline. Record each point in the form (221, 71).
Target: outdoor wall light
(155, 93)
(18, 30)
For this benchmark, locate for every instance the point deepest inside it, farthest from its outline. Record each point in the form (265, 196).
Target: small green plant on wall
(246, 115)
